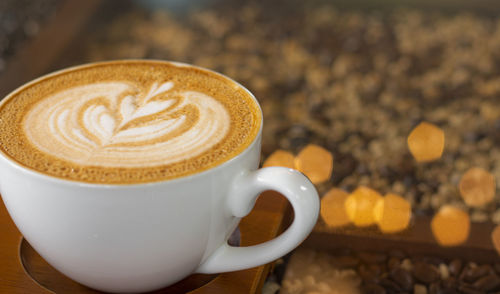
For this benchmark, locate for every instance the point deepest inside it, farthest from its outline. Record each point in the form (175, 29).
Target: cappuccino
(127, 122)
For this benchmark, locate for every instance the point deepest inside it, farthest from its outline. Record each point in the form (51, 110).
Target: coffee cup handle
(245, 189)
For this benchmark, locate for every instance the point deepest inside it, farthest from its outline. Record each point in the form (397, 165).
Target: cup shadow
(51, 279)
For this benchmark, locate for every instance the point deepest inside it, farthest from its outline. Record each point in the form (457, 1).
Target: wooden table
(267, 219)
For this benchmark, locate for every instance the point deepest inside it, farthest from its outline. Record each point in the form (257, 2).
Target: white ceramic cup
(142, 237)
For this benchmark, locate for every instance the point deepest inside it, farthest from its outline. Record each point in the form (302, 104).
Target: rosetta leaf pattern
(107, 123)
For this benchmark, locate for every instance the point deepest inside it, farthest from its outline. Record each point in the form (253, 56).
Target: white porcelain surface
(133, 238)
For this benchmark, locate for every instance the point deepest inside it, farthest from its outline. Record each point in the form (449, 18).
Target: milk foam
(119, 124)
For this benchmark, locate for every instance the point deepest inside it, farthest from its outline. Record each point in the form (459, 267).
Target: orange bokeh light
(450, 226)
(360, 204)
(280, 158)
(477, 187)
(315, 162)
(426, 142)
(333, 209)
(392, 213)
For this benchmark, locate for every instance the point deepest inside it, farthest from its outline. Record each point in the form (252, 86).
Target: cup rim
(37, 174)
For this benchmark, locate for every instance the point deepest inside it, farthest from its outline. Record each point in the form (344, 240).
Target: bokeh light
(477, 187)
(333, 209)
(426, 142)
(450, 226)
(315, 162)
(392, 213)
(360, 204)
(280, 158)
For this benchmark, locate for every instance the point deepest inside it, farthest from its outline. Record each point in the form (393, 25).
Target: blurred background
(367, 98)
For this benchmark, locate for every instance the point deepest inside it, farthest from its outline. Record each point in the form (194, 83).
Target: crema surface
(127, 122)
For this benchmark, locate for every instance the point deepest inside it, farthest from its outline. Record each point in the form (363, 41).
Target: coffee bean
(347, 261)
(455, 267)
(407, 264)
(419, 289)
(390, 285)
(393, 263)
(488, 283)
(435, 288)
(449, 284)
(343, 252)
(467, 289)
(397, 254)
(432, 260)
(472, 273)
(425, 273)
(298, 136)
(370, 257)
(365, 274)
(443, 271)
(345, 165)
(369, 273)
(403, 278)
(373, 288)
(496, 266)
(378, 269)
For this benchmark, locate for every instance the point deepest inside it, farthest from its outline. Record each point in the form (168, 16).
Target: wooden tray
(267, 219)
(418, 240)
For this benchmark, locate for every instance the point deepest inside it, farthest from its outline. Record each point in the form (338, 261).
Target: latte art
(117, 125)
(128, 122)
